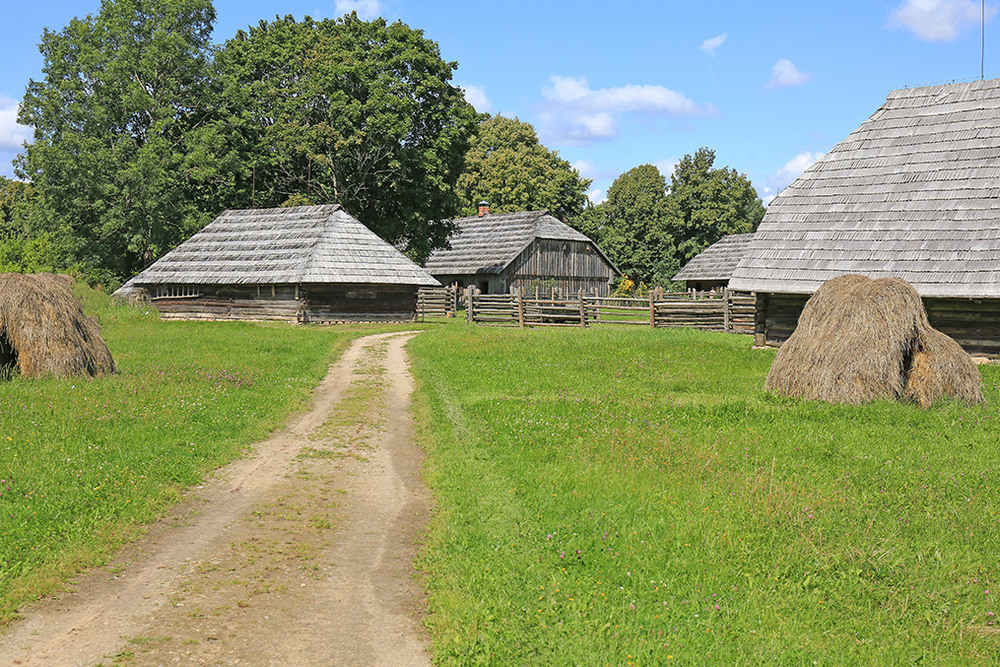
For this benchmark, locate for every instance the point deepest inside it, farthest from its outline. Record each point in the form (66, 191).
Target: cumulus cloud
(476, 96)
(710, 45)
(938, 20)
(666, 167)
(792, 170)
(12, 135)
(586, 168)
(786, 75)
(574, 113)
(366, 9)
(597, 196)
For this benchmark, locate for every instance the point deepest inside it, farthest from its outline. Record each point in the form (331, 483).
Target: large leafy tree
(706, 204)
(123, 131)
(510, 169)
(631, 225)
(352, 112)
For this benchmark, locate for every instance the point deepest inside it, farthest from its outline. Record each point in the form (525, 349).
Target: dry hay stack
(44, 331)
(860, 339)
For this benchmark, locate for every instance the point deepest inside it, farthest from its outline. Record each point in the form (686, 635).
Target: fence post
(725, 309)
(583, 310)
(469, 304)
(652, 309)
(520, 308)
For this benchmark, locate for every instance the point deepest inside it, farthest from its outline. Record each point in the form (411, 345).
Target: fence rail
(726, 311)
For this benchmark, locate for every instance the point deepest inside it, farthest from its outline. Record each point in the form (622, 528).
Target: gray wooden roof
(717, 261)
(914, 193)
(301, 244)
(489, 243)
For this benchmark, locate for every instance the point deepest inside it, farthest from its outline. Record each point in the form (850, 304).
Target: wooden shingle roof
(301, 244)
(489, 243)
(913, 193)
(717, 261)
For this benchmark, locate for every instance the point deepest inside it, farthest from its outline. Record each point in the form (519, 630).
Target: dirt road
(299, 555)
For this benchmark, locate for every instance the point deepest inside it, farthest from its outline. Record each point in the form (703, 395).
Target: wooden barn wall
(973, 323)
(232, 302)
(315, 303)
(362, 303)
(566, 265)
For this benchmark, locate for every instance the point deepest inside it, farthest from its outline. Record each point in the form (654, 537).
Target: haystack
(44, 331)
(860, 339)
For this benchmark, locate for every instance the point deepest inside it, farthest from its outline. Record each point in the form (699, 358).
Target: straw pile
(860, 339)
(44, 332)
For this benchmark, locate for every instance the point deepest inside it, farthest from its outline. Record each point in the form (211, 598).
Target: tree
(510, 169)
(121, 124)
(17, 200)
(346, 111)
(631, 226)
(706, 204)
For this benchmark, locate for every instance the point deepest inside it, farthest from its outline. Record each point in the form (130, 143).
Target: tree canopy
(707, 204)
(143, 131)
(345, 111)
(510, 169)
(633, 228)
(118, 119)
(650, 231)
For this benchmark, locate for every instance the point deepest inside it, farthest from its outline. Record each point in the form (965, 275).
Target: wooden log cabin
(298, 264)
(530, 250)
(912, 193)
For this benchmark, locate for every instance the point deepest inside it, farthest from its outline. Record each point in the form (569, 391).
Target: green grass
(634, 497)
(84, 463)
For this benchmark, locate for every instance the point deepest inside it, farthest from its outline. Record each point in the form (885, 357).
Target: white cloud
(667, 167)
(786, 75)
(597, 196)
(938, 20)
(366, 9)
(574, 113)
(12, 135)
(710, 45)
(476, 96)
(792, 170)
(586, 168)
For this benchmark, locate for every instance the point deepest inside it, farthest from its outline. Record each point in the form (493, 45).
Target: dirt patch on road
(302, 554)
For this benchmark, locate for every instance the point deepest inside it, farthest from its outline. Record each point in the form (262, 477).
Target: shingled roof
(717, 261)
(489, 243)
(914, 193)
(301, 244)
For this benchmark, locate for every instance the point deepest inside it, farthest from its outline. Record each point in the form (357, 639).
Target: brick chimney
(484, 208)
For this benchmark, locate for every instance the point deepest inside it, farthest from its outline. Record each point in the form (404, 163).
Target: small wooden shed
(299, 264)
(712, 268)
(528, 250)
(911, 194)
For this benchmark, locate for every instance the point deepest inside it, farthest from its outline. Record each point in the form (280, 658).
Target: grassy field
(84, 463)
(634, 497)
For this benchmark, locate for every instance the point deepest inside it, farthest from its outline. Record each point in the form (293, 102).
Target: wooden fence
(726, 311)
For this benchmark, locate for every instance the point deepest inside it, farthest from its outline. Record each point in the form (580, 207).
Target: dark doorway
(8, 357)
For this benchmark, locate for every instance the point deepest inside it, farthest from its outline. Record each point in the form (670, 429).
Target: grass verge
(635, 497)
(85, 463)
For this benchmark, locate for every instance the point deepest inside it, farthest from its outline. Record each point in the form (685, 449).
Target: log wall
(569, 266)
(973, 323)
(291, 303)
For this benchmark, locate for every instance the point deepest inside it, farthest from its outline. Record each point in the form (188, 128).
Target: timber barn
(712, 268)
(298, 264)
(913, 193)
(531, 250)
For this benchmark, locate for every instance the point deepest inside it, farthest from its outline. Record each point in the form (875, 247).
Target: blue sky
(770, 86)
